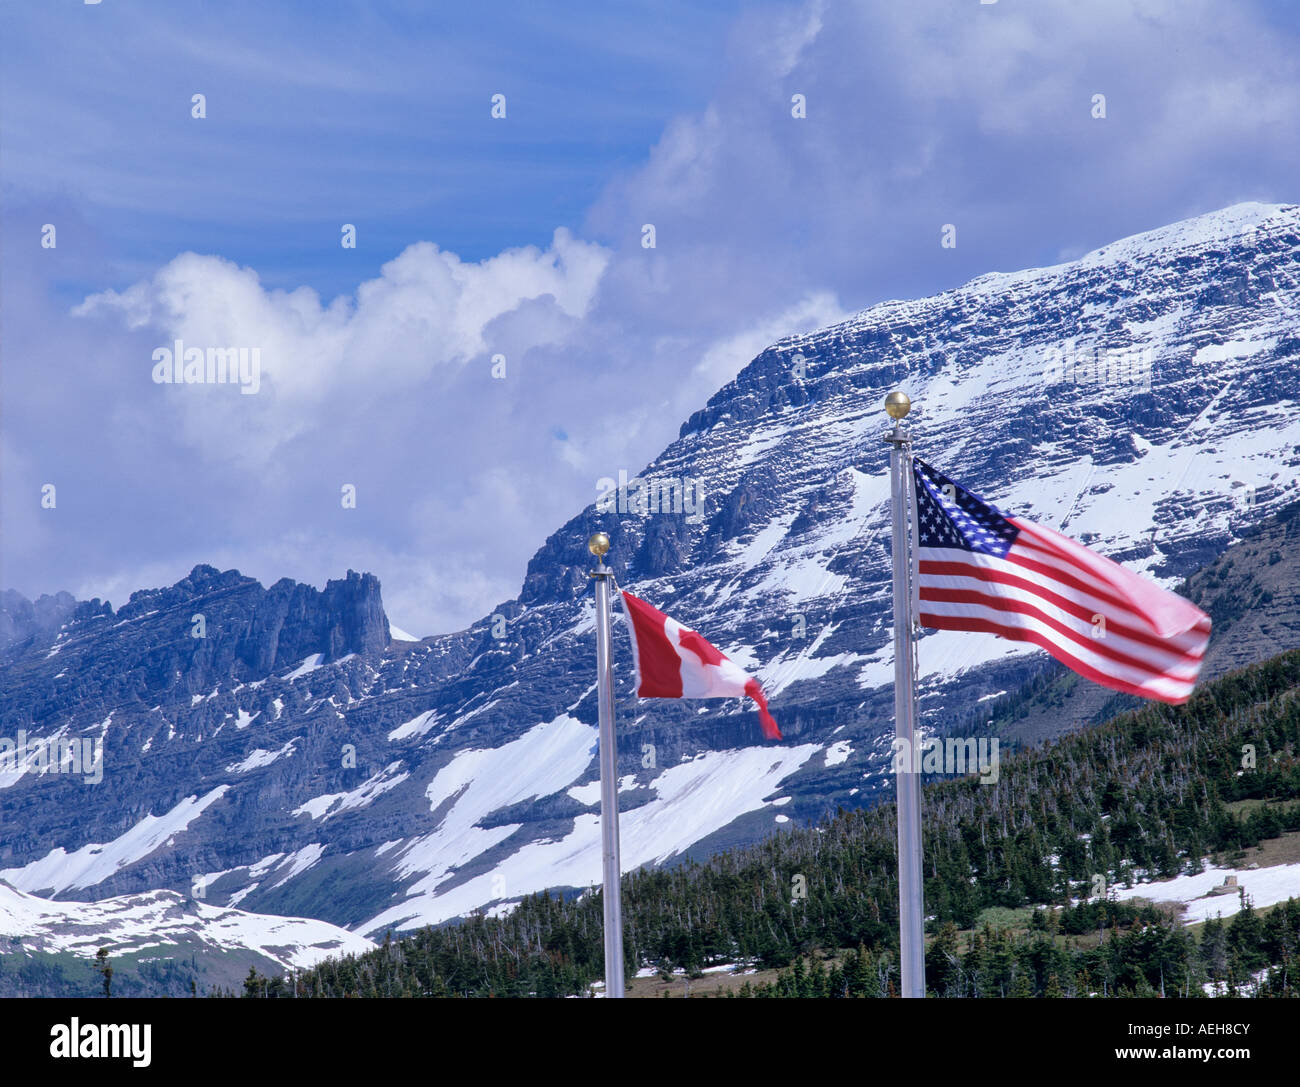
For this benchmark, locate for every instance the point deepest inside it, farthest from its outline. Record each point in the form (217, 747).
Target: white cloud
(428, 311)
(724, 359)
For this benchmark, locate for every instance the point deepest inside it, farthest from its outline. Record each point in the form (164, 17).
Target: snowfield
(131, 923)
(692, 800)
(1263, 886)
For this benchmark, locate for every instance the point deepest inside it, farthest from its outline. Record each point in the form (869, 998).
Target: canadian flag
(675, 662)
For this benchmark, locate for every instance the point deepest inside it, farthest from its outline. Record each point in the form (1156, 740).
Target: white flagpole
(598, 545)
(910, 911)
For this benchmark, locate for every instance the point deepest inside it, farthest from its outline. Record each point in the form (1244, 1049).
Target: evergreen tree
(105, 970)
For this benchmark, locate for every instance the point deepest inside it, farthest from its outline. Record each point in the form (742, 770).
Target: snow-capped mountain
(153, 919)
(295, 759)
(157, 925)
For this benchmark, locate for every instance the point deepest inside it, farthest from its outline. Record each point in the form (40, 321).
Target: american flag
(980, 569)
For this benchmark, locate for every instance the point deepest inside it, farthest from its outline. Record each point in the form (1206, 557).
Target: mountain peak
(1243, 226)
(1236, 249)
(209, 626)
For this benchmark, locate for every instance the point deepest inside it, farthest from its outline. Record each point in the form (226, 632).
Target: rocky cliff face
(25, 621)
(1141, 399)
(141, 682)
(209, 629)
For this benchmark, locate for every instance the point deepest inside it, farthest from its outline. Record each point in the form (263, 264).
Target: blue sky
(521, 237)
(327, 112)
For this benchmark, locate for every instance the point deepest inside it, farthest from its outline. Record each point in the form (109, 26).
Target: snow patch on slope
(1264, 887)
(692, 800)
(416, 726)
(838, 752)
(259, 757)
(477, 783)
(365, 794)
(60, 871)
(309, 664)
(132, 923)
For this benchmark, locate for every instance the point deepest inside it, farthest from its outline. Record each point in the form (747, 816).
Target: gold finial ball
(598, 545)
(897, 404)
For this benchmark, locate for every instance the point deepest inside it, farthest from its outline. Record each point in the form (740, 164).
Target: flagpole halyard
(598, 545)
(907, 780)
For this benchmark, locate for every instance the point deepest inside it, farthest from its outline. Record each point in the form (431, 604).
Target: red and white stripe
(1049, 590)
(673, 661)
